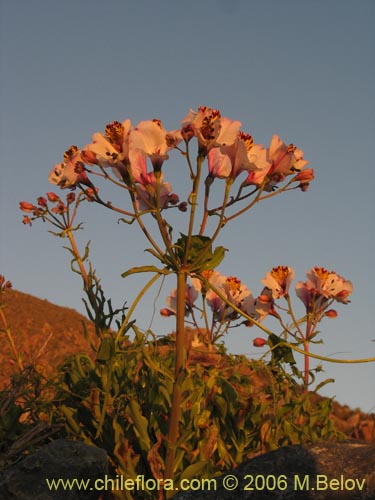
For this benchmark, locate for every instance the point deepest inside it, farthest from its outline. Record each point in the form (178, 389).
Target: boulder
(60, 459)
(319, 471)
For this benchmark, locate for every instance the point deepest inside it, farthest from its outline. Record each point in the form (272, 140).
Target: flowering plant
(229, 167)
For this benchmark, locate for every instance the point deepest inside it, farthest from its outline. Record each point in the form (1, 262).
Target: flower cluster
(219, 292)
(42, 209)
(125, 149)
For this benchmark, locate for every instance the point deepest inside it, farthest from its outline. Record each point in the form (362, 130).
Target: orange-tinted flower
(70, 172)
(152, 140)
(210, 128)
(278, 281)
(110, 149)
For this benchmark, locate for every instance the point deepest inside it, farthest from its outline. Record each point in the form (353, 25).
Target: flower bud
(331, 313)
(259, 342)
(173, 199)
(42, 201)
(52, 197)
(25, 206)
(183, 206)
(187, 132)
(306, 175)
(166, 312)
(26, 220)
(70, 198)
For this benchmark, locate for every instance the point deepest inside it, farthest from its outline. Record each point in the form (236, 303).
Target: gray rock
(61, 458)
(320, 471)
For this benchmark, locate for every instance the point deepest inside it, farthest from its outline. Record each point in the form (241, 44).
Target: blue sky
(303, 70)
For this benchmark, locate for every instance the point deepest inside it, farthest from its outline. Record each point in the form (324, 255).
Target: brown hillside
(45, 334)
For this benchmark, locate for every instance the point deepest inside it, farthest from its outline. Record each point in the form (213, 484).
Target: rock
(61, 458)
(320, 471)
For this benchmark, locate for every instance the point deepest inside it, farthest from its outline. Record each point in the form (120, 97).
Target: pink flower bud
(52, 197)
(259, 342)
(331, 313)
(183, 206)
(173, 199)
(70, 198)
(26, 220)
(166, 312)
(187, 132)
(306, 175)
(42, 201)
(25, 206)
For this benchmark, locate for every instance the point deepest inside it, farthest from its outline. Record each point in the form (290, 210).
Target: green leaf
(144, 269)
(281, 353)
(106, 349)
(200, 255)
(322, 384)
(193, 471)
(140, 424)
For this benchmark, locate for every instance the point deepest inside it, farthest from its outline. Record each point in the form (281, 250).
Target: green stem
(193, 202)
(8, 332)
(175, 412)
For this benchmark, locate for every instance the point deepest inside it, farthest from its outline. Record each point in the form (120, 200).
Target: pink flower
(235, 292)
(210, 128)
(152, 140)
(329, 284)
(321, 287)
(191, 296)
(281, 161)
(110, 149)
(146, 193)
(71, 171)
(278, 281)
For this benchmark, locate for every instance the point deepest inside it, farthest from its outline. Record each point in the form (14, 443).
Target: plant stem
(179, 367)
(307, 364)
(85, 277)
(11, 342)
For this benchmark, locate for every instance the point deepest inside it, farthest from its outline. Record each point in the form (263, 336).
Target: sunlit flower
(329, 284)
(281, 161)
(235, 292)
(210, 128)
(278, 281)
(71, 171)
(152, 140)
(191, 296)
(110, 149)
